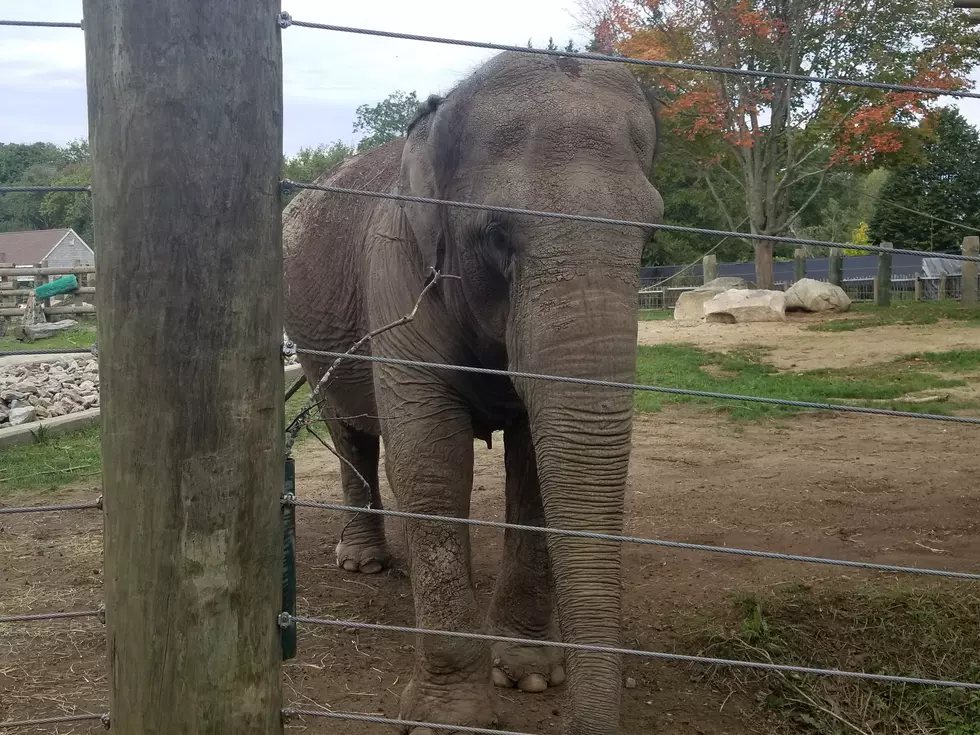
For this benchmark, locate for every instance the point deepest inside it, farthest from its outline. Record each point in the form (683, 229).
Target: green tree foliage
(309, 164)
(45, 164)
(386, 120)
(944, 183)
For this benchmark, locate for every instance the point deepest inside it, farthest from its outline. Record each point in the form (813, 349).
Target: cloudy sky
(326, 75)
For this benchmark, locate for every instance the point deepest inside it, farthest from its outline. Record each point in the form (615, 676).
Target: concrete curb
(24, 434)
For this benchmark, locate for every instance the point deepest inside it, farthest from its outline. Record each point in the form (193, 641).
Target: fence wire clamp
(98, 503)
(101, 617)
(288, 186)
(288, 349)
(106, 722)
(285, 19)
(285, 620)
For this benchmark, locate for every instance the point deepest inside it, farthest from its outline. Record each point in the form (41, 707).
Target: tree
(386, 120)
(945, 184)
(773, 139)
(309, 164)
(72, 209)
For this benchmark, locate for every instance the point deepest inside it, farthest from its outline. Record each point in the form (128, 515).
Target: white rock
(816, 296)
(738, 306)
(90, 401)
(724, 283)
(20, 416)
(86, 386)
(690, 305)
(27, 386)
(9, 395)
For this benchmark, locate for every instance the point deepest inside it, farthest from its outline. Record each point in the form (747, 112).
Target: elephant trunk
(581, 435)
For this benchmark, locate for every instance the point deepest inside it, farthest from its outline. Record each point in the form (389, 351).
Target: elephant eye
(495, 233)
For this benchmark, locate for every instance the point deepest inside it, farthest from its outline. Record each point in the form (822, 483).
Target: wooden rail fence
(13, 294)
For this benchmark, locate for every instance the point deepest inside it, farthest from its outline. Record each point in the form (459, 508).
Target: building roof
(30, 247)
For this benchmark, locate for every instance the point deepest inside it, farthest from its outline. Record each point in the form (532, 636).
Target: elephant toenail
(558, 676)
(371, 567)
(532, 684)
(500, 679)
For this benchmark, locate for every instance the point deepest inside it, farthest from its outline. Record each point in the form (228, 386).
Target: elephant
(512, 292)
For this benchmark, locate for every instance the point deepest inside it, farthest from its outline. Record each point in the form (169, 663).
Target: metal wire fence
(662, 298)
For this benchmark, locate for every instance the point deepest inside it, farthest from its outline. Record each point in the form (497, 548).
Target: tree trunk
(763, 264)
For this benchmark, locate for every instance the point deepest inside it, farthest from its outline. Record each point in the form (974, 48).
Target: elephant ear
(426, 170)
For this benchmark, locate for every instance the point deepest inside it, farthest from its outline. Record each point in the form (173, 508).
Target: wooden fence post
(942, 287)
(835, 273)
(799, 264)
(710, 267)
(883, 280)
(763, 264)
(968, 289)
(918, 287)
(189, 255)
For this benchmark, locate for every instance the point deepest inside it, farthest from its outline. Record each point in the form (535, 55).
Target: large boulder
(690, 305)
(810, 295)
(725, 283)
(737, 306)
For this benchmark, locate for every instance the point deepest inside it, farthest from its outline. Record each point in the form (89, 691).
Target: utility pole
(973, 6)
(185, 121)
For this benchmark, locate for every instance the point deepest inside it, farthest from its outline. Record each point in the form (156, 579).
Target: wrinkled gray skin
(532, 294)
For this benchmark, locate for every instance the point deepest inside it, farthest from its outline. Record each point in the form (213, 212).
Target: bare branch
(302, 418)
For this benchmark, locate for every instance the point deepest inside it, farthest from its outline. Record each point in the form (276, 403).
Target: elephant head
(551, 296)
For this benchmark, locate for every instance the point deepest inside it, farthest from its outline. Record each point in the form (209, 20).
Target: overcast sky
(326, 74)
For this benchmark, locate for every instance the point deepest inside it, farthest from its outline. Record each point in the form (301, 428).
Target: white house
(61, 248)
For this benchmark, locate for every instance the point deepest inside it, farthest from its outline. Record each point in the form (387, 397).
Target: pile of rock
(730, 300)
(40, 390)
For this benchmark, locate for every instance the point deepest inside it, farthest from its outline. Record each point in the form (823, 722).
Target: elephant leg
(429, 461)
(523, 597)
(362, 546)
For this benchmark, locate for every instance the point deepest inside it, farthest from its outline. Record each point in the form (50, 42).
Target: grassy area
(896, 630)
(745, 372)
(82, 337)
(658, 315)
(901, 312)
(57, 461)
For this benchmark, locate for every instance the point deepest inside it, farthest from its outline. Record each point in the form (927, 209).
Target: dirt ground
(796, 348)
(853, 487)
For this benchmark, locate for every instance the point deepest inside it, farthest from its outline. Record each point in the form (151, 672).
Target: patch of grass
(901, 312)
(658, 315)
(52, 462)
(745, 372)
(896, 631)
(953, 361)
(82, 337)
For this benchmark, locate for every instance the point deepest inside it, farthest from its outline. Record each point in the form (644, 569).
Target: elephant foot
(366, 558)
(469, 704)
(531, 669)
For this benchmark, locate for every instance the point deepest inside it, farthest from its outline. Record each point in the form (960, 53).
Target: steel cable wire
(104, 718)
(39, 24)
(289, 184)
(648, 388)
(289, 712)
(35, 189)
(682, 545)
(100, 614)
(285, 21)
(286, 619)
(94, 505)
